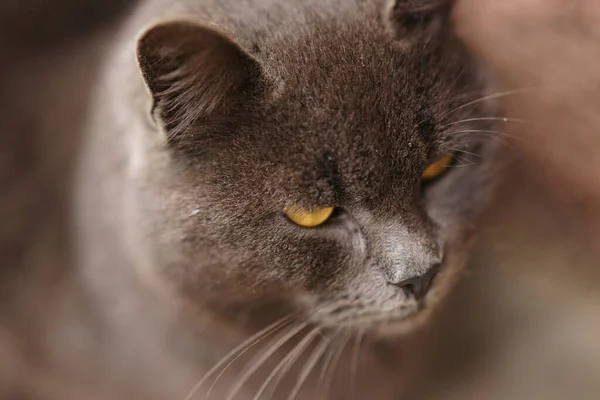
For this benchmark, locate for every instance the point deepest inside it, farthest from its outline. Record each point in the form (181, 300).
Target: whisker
(499, 134)
(261, 360)
(462, 71)
(355, 359)
(455, 150)
(505, 142)
(310, 365)
(335, 361)
(502, 136)
(463, 162)
(287, 362)
(327, 360)
(275, 383)
(501, 119)
(479, 131)
(241, 348)
(492, 96)
(239, 355)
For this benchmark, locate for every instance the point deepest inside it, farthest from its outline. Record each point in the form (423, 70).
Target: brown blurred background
(49, 54)
(524, 322)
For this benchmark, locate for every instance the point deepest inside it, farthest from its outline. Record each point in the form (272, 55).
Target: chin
(385, 324)
(409, 323)
(405, 317)
(393, 324)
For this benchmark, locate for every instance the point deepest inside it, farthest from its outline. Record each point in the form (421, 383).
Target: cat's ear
(418, 20)
(195, 74)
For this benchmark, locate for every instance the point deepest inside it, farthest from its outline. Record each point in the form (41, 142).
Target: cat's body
(310, 103)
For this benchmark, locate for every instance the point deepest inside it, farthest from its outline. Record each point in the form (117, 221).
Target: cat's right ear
(195, 74)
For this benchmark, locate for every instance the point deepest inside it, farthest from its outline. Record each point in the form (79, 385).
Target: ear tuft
(194, 73)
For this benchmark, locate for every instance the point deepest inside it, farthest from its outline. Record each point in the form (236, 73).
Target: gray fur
(316, 105)
(212, 117)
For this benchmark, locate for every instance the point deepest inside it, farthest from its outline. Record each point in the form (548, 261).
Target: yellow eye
(437, 168)
(309, 218)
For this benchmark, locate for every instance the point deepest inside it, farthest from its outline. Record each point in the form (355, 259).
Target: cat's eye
(309, 218)
(437, 168)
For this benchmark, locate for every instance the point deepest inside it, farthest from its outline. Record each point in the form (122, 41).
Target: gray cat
(313, 166)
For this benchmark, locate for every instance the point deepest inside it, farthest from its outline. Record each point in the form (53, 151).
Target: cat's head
(336, 167)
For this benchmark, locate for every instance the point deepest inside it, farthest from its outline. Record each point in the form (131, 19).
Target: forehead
(354, 116)
(364, 174)
(319, 160)
(361, 73)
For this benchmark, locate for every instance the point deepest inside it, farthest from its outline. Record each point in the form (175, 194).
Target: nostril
(418, 285)
(414, 286)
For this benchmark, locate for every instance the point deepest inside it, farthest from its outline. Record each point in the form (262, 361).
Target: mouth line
(374, 318)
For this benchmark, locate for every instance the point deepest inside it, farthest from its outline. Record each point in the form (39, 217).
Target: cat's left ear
(418, 20)
(198, 77)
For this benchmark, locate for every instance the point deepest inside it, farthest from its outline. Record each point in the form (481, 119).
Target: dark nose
(418, 285)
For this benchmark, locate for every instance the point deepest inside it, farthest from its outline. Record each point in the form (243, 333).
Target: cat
(315, 161)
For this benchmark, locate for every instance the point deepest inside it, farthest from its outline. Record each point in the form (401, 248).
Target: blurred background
(523, 323)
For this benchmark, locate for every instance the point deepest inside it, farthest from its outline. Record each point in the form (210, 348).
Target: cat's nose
(418, 285)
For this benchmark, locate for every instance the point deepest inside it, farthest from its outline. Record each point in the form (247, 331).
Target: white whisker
(463, 162)
(479, 131)
(310, 364)
(335, 361)
(355, 360)
(503, 136)
(252, 368)
(455, 150)
(287, 362)
(241, 348)
(491, 97)
(497, 119)
(327, 360)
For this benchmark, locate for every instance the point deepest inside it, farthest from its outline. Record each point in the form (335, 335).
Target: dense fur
(213, 117)
(257, 107)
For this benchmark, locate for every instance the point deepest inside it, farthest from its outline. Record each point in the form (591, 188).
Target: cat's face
(341, 116)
